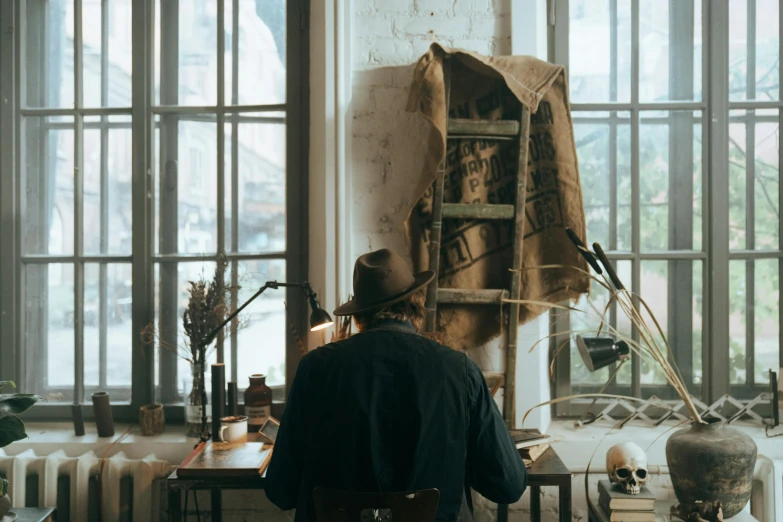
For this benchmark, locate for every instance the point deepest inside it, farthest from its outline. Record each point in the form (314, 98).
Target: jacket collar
(392, 325)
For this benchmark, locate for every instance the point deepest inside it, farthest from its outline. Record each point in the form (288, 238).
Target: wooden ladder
(519, 131)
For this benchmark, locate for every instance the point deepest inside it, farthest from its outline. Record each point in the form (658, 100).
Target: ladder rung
(477, 211)
(466, 296)
(484, 128)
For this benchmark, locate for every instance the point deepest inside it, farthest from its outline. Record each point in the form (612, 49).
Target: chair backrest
(332, 505)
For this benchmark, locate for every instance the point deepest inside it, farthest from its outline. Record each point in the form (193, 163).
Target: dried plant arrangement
(652, 346)
(206, 309)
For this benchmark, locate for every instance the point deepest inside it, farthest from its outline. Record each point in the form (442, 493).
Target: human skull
(626, 464)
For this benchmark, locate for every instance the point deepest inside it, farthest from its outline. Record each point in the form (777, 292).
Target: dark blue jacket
(390, 410)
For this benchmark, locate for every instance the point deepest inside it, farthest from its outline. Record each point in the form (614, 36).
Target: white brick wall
(389, 36)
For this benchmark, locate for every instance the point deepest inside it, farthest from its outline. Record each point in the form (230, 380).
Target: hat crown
(380, 275)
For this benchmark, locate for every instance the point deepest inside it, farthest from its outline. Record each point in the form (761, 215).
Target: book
(532, 453)
(622, 516)
(226, 459)
(268, 432)
(527, 438)
(612, 497)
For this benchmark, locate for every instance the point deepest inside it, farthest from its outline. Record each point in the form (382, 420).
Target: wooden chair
(332, 505)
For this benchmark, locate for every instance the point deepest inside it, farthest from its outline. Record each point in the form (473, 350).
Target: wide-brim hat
(382, 278)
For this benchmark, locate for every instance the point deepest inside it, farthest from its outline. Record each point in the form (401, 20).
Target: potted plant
(206, 309)
(708, 460)
(12, 429)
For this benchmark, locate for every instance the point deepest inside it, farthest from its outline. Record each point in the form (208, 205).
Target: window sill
(45, 438)
(576, 446)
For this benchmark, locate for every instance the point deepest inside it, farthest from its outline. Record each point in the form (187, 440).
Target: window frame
(142, 258)
(715, 250)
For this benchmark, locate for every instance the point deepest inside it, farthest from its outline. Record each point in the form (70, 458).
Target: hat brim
(352, 307)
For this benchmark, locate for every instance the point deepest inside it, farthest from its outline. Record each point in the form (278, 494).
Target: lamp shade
(599, 352)
(319, 318)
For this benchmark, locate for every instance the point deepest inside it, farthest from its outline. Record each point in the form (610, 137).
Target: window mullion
(9, 254)
(715, 352)
(78, 213)
(221, 152)
(750, 200)
(636, 386)
(234, 182)
(104, 201)
(780, 197)
(143, 359)
(168, 205)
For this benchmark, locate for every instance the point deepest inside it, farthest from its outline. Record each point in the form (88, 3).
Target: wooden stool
(332, 505)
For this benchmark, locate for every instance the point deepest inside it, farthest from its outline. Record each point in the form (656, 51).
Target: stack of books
(531, 445)
(616, 505)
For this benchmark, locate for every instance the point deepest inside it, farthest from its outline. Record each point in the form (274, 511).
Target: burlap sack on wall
(477, 254)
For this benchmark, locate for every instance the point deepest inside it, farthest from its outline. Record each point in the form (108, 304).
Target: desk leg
(175, 505)
(565, 503)
(217, 505)
(502, 512)
(535, 503)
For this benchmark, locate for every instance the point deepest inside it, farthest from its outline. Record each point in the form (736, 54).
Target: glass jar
(258, 402)
(193, 403)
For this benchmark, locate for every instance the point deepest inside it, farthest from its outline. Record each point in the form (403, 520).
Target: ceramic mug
(233, 429)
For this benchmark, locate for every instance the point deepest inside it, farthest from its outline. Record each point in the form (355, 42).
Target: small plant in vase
(205, 311)
(12, 429)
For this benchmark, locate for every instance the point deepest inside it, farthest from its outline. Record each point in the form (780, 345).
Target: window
(676, 112)
(150, 146)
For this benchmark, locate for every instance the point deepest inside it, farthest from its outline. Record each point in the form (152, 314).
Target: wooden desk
(216, 486)
(548, 470)
(32, 514)
(662, 508)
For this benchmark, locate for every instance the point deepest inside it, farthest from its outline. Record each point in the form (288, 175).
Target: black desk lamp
(597, 353)
(319, 319)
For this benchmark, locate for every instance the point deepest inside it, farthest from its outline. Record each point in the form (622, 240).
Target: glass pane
(47, 185)
(737, 322)
(261, 339)
(108, 332)
(48, 51)
(670, 50)
(603, 149)
(669, 156)
(601, 71)
(766, 194)
(107, 186)
(107, 79)
(49, 333)
(698, 323)
(186, 53)
(260, 68)
(186, 203)
(261, 188)
(766, 319)
(673, 291)
(624, 272)
(754, 50)
(754, 185)
(655, 291)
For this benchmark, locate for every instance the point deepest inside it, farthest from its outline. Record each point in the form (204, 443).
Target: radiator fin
(130, 487)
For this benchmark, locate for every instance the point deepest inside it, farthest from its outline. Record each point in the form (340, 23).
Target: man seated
(390, 410)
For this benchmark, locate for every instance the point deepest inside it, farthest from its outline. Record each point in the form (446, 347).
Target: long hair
(409, 309)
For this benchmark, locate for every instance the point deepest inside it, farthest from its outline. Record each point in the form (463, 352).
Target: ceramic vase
(709, 462)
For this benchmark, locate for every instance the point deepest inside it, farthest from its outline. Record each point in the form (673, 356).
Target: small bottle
(258, 402)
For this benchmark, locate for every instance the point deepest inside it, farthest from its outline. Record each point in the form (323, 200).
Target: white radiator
(130, 489)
